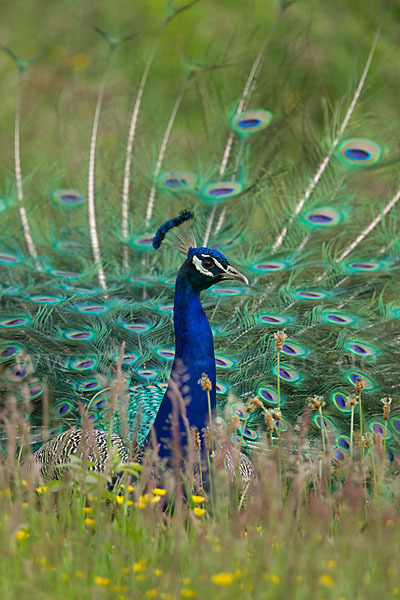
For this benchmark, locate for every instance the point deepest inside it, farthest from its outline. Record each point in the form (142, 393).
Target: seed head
(359, 385)
(205, 383)
(351, 401)
(368, 440)
(253, 404)
(276, 414)
(234, 423)
(269, 421)
(207, 439)
(279, 338)
(386, 407)
(316, 402)
(196, 438)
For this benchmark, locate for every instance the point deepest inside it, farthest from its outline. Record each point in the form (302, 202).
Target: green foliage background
(319, 49)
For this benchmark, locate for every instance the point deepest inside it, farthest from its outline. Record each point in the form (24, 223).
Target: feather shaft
(326, 160)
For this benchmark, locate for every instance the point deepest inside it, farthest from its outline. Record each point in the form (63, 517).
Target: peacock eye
(207, 263)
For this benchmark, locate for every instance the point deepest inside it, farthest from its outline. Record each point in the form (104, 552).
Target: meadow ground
(307, 529)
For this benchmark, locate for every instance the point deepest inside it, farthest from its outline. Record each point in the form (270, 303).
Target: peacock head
(203, 267)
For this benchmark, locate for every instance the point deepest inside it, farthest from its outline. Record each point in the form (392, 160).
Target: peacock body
(86, 303)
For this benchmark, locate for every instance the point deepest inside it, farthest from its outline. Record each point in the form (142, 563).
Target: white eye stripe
(218, 264)
(197, 263)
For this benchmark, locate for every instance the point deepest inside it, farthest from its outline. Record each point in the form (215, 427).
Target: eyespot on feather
(68, 198)
(250, 122)
(177, 181)
(359, 152)
(222, 190)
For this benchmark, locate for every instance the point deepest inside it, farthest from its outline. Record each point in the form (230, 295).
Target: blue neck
(194, 355)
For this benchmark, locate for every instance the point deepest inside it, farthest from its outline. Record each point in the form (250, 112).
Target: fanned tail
(316, 235)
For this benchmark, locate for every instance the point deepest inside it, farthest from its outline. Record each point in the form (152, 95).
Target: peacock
(311, 313)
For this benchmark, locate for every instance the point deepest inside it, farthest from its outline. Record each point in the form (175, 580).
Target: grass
(308, 531)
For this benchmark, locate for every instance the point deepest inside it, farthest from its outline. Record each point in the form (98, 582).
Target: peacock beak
(231, 273)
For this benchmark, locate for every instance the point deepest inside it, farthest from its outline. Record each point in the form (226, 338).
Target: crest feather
(183, 242)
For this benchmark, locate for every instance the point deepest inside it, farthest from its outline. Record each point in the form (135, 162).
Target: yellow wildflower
(79, 61)
(119, 499)
(102, 581)
(24, 482)
(186, 580)
(326, 580)
(7, 492)
(119, 588)
(240, 572)
(223, 578)
(395, 591)
(143, 501)
(90, 522)
(87, 509)
(155, 499)
(79, 574)
(199, 512)
(159, 492)
(158, 572)
(273, 578)
(25, 504)
(22, 535)
(139, 566)
(187, 593)
(198, 499)
(152, 593)
(331, 564)
(42, 489)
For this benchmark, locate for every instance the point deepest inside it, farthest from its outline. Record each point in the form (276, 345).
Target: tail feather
(317, 237)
